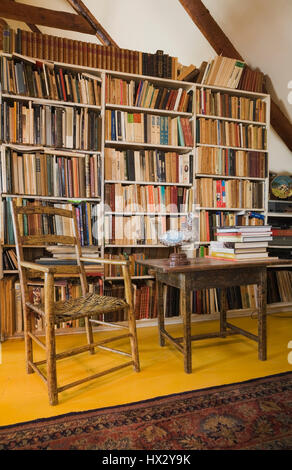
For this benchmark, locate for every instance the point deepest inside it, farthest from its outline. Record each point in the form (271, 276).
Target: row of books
(156, 199)
(145, 94)
(44, 80)
(87, 222)
(232, 134)
(66, 255)
(242, 242)
(223, 71)
(52, 126)
(211, 220)
(9, 260)
(147, 128)
(112, 270)
(145, 305)
(139, 229)
(8, 306)
(213, 103)
(148, 165)
(282, 235)
(230, 162)
(59, 255)
(231, 73)
(280, 286)
(229, 193)
(12, 322)
(58, 49)
(207, 301)
(63, 290)
(51, 175)
(252, 80)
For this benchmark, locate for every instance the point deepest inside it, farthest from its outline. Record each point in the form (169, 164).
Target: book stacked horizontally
(66, 255)
(241, 242)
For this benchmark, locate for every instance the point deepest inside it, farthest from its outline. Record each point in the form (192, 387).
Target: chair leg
(27, 316)
(89, 334)
(133, 339)
(50, 340)
(51, 363)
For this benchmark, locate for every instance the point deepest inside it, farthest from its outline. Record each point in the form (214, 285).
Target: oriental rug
(255, 414)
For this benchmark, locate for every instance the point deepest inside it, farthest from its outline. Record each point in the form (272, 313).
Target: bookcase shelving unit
(280, 217)
(208, 92)
(193, 115)
(140, 182)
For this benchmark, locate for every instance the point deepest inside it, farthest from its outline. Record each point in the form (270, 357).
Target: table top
(210, 264)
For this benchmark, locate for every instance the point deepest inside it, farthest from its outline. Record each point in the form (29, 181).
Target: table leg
(185, 311)
(262, 316)
(160, 311)
(223, 308)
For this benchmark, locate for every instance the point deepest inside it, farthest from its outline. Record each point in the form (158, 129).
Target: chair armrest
(52, 269)
(106, 261)
(37, 267)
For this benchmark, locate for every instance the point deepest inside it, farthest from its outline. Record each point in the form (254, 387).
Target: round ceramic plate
(282, 186)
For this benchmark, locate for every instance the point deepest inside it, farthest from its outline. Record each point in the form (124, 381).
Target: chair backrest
(69, 216)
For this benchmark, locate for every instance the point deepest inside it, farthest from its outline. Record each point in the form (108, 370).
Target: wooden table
(205, 273)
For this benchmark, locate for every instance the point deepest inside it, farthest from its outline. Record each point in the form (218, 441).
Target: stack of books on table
(241, 242)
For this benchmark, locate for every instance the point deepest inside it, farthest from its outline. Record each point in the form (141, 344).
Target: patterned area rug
(256, 414)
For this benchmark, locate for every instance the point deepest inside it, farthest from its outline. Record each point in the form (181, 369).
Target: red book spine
(63, 84)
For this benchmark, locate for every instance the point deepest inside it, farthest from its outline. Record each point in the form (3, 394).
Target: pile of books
(223, 71)
(229, 73)
(242, 242)
(66, 255)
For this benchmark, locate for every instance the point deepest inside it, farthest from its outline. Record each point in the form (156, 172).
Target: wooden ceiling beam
(45, 17)
(100, 32)
(210, 29)
(222, 45)
(33, 27)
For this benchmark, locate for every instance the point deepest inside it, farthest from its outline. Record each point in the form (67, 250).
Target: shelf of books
(148, 174)
(51, 153)
(280, 219)
(134, 152)
(232, 128)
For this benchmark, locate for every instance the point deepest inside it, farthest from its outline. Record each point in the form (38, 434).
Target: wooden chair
(55, 312)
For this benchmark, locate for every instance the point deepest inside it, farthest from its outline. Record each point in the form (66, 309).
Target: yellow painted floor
(215, 362)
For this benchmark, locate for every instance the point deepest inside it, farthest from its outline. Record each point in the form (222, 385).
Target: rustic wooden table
(204, 273)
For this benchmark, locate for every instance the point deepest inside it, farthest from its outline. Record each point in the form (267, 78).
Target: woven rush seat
(94, 304)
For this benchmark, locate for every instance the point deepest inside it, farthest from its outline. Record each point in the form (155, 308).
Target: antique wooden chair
(62, 311)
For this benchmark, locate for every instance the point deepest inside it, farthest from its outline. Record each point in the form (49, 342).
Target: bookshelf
(144, 167)
(280, 280)
(220, 158)
(52, 153)
(176, 151)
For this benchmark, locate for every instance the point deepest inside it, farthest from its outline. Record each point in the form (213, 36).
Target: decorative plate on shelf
(281, 186)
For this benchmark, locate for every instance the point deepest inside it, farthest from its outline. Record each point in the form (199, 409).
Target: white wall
(259, 29)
